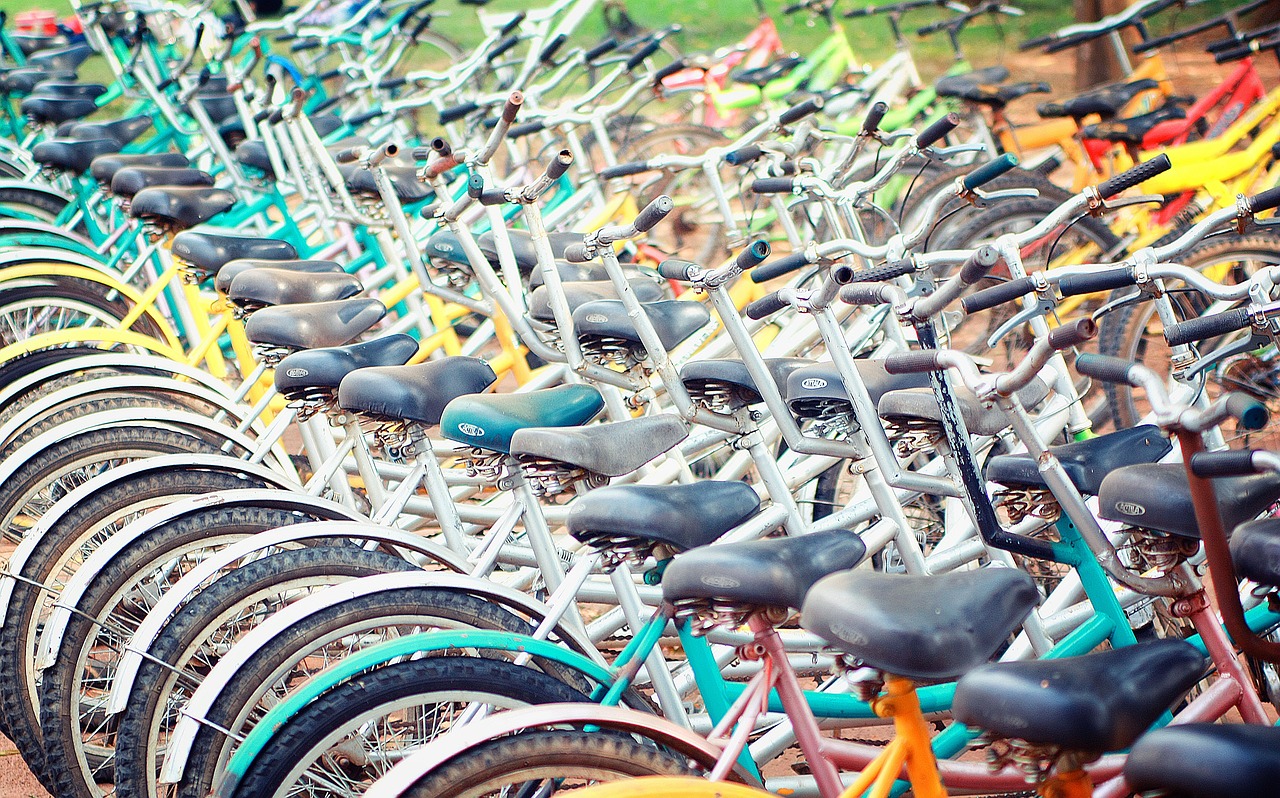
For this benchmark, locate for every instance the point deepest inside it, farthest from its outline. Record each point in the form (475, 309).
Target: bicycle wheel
(670, 787)
(339, 745)
(58, 555)
(315, 643)
(207, 626)
(25, 203)
(547, 763)
(32, 310)
(78, 736)
(1134, 332)
(57, 470)
(696, 228)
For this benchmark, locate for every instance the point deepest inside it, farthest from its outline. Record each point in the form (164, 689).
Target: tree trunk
(1096, 61)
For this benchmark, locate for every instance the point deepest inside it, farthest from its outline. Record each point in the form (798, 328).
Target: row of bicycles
(383, 416)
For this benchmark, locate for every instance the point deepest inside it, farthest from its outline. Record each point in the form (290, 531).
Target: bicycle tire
(76, 456)
(294, 656)
(671, 787)
(41, 204)
(300, 747)
(1125, 332)
(64, 546)
(562, 755)
(108, 612)
(189, 643)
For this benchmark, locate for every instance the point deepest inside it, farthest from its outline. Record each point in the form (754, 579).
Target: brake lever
(943, 153)
(1256, 341)
(1044, 304)
(983, 198)
(1117, 203)
(1120, 301)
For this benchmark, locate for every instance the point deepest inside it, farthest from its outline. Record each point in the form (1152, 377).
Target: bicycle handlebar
(1210, 326)
(937, 131)
(990, 171)
(1132, 177)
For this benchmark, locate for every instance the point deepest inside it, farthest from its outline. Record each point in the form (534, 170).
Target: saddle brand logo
(296, 373)
(720, 581)
(813, 384)
(470, 429)
(597, 318)
(1129, 508)
(442, 247)
(848, 634)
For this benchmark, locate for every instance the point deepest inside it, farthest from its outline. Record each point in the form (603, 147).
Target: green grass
(709, 24)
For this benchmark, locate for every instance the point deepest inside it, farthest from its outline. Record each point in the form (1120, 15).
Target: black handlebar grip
(1132, 177)
(1105, 368)
(874, 117)
(889, 271)
(327, 104)
(360, 119)
(766, 306)
(261, 116)
(643, 54)
(513, 23)
(743, 156)
(501, 48)
(676, 269)
(495, 196)
(576, 253)
(1251, 413)
(919, 362)
(1265, 201)
(653, 213)
(553, 47)
(603, 48)
(349, 155)
(979, 264)
(862, 294)
(667, 71)
(475, 186)
(1233, 53)
(455, 112)
(753, 255)
(422, 25)
(624, 170)
(997, 294)
(330, 75)
(1039, 41)
(767, 271)
(304, 44)
(527, 129)
(1226, 463)
(774, 185)
(937, 131)
(559, 165)
(1073, 333)
(1067, 42)
(1103, 280)
(1207, 327)
(797, 112)
(393, 83)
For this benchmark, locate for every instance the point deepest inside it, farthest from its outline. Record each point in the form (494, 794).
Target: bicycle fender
(210, 690)
(401, 777)
(382, 654)
(173, 600)
(73, 592)
(160, 464)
